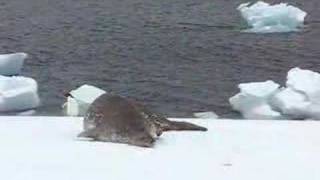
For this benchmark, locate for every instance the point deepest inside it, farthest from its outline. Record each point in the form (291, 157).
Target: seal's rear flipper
(183, 126)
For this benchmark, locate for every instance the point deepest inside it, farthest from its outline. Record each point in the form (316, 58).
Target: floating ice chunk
(263, 111)
(206, 115)
(26, 113)
(305, 81)
(259, 89)
(313, 111)
(80, 99)
(11, 64)
(291, 103)
(86, 93)
(266, 18)
(18, 93)
(299, 100)
(252, 101)
(253, 94)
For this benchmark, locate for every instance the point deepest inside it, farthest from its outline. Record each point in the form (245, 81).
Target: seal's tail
(182, 126)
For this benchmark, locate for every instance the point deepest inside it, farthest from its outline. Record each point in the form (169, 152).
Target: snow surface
(78, 103)
(38, 148)
(18, 93)
(11, 64)
(265, 100)
(265, 18)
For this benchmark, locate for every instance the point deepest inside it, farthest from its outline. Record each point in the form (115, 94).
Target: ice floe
(11, 64)
(290, 102)
(265, 18)
(305, 81)
(252, 101)
(80, 99)
(300, 99)
(18, 93)
(206, 115)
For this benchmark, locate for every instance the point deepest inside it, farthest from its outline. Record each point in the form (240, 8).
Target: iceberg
(291, 103)
(18, 93)
(300, 99)
(206, 115)
(313, 111)
(305, 81)
(263, 111)
(265, 18)
(252, 101)
(80, 99)
(11, 64)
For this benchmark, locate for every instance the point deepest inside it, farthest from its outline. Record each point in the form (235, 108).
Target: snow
(300, 99)
(18, 93)
(78, 103)
(11, 64)
(37, 148)
(265, 18)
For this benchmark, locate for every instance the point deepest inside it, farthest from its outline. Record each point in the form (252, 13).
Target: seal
(113, 118)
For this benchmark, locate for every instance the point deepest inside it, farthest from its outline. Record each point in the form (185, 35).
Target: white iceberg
(265, 18)
(26, 113)
(18, 93)
(80, 99)
(206, 115)
(308, 83)
(253, 100)
(313, 111)
(300, 99)
(262, 111)
(291, 103)
(305, 81)
(11, 64)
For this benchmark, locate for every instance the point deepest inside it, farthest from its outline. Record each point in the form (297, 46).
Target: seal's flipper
(165, 124)
(182, 126)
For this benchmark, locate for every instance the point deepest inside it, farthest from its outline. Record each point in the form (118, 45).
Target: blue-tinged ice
(11, 64)
(253, 100)
(18, 93)
(265, 18)
(300, 99)
(206, 115)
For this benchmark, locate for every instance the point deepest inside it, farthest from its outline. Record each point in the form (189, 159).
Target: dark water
(177, 56)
